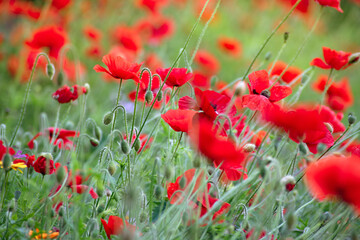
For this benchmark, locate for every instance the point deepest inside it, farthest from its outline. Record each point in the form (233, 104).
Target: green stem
(327, 86)
(3, 191)
(114, 120)
(134, 114)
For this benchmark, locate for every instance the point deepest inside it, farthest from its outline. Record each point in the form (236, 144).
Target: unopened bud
(286, 36)
(12, 206)
(158, 191)
(50, 70)
(108, 192)
(196, 162)
(329, 127)
(93, 225)
(94, 142)
(321, 147)
(354, 58)
(52, 213)
(266, 93)
(288, 182)
(60, 79)
(100, 208)
(168, 172)
(87, 88)
(240, 88)
(291, 221)
(60, 174)
(125, 147)
(47, 155)
(98, 133)
(108, 118)
(159, 96)
(351, 119)
(100, 190)
(249, 147)
(7, 162)
(143, 217)
(137, 144)
(303, 148)
(61, 211)
(268, 56)
(149, 97)
(112, 168)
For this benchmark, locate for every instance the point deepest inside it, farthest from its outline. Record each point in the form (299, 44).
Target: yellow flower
(15, 166)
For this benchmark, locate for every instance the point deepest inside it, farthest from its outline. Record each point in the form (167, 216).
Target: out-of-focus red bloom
(4, 150)
(330, 3)
(70, 70)
(257, 99)
(176, 78)
(153, 62)
(353, 148)
(328, 116)
(116, 226)
(250, 235)
(179, 120)
(207, 62)
(200, 80)
(61, 140)
(290, 74)
(302, 7)
(24, 8)
(152, 5)
(119, 68)
(67, 94)
(333, 59)
(339, 96)
(258, 138)
(230, 46)
(128, 37)
(94, 51)
(60, 4)
(155, 29)
(177, 194)
(92, 33)
(218, 149)
(301, 124)
(335, 178)
(50, 37)
(44, 166)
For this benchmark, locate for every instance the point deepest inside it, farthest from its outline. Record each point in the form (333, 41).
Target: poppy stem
(56, 133)
(327, 86)
(134, 114)
(176, 148)
(117, 103)
(27, 92)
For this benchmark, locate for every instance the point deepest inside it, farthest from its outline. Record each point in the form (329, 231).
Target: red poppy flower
(218, 149)
(302, 7)
(230, 46)
(128, 37)
(51, 37)
(331, 3)
(200, 80)
(4, 150)
(338, 96)
(44, 166)
(250, 235)
(335, 178)
(153, 62)
(119, 68)
(207, 62)
(61, 140)
(92, 33)
(179, 120)
(24, 8)
(257, 100)
(152, 5)
(67, 94)
(177, 76)
(116, 226)
(301, 124)
(333, 59)
(290, 74)
(177, 194)
(60, 4)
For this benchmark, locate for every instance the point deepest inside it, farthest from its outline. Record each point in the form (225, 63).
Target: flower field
(179, 119)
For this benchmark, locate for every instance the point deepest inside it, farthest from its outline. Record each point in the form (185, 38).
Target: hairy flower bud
(351, 119)
(112, 168)
(7, 162)
(268, 55)
(143, 217)
(354, 58)
(60, 174)
(98, 133)
(158, 191)
(249, 147)
(159, 96)
(100, 190)
(288, 182)
(240, 88)
(286, 36)
(291, 220)
(182, 182)
(108, 118)
(50, 70)
(137, 144)
(168, 172)
(87, 88)
(125, 147)
(94, 142)
(149, 97)
(303, 148)
(62, 211)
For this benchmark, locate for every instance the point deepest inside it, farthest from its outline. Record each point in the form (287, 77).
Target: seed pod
(50, 70)
(125, 147)
(7, 162)
(60, 174)
(149, 97)
(137, 144)
(158, 191)
(108, 118)
(94, 142)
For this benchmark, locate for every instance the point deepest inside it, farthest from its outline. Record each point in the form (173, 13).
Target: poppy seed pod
(108, 118)
(137, 144)
(7, 162)
(125, 147)
(149, 97)
(50, 70)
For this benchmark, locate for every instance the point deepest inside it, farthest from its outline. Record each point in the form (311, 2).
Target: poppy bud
(52, 213)
(288, 182)
(50, 70)
(94, 142)
(108, 192)
(143, 217)
(17, 195)
(98, 133)
(7, 162)
(60, 78)
(100, 208)
(112, 168)
(268, 56)
(158, 191)
(87, 88)
(149, 97)
(196, 162)
(168, 172)
(291, 221)
(249, 147)
(125, 147)
(321, 147)
(100, 190)
(137, 144)
(240, 88)
(159, 96)
(182, 182)
(303, 148)
(354, 58)
(47, 155)
(351, 119)
(108, 118)
(263, 170)
(61, 211)
(265, 93)
(329, 127)
(60, 174)
(286, 36)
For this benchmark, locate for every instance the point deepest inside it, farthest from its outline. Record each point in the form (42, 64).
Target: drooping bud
(137, 144)
(61, 211)
(266, 93)
(100, 189)
(125, 147)
(351, 119)
(158, 191)
(7, 162)
(50, 70)
(60, 174)
(303, 148)
(98, 133)
(87, 88)
(329, 127)
(112, 168)
(94, 142)
(249, 147)
(108, 118)
(149, 97)
(288, 182)
(286, 36)
(291, 220)
(354, 58)
(159, 96)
